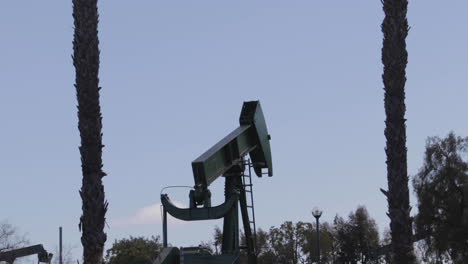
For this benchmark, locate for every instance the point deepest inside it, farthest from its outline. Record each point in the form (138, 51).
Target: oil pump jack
(226, 158)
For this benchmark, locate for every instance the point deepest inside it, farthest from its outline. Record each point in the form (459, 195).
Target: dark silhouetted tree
(285, 243)
(439, 185)
(357, 238)
(218, 239)
(136, 250)
(395, 58)
(365, 233)
(308, 241)
(264, 252)
(345, 251)
(86, 62)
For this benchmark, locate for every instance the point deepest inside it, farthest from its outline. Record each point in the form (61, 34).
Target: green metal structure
(226, 158)
(11, 255)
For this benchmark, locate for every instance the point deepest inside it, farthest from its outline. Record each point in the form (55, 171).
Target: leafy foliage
(439, 187)
(345, 241)
(134, 250)
(309, 241)
(286, 241)
(356, 238)
(218, 239)
(264, 251)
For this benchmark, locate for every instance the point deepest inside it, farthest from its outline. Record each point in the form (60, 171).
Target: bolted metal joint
(200, 196)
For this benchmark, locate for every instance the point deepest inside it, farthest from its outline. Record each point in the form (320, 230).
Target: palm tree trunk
(395, 58)
(86, 62)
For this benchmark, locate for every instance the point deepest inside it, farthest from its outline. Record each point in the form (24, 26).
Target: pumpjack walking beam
(227, 158)
(251, 137)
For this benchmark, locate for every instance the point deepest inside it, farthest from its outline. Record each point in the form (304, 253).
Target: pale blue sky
(174, 76)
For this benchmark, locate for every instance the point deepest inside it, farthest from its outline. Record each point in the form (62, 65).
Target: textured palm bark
(86, 62)
(395, 58)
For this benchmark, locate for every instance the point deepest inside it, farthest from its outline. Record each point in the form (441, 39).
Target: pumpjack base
(194, 255)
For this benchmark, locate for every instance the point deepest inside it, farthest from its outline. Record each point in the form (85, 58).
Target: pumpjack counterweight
(226, 158)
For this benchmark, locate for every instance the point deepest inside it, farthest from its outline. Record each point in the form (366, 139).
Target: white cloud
(151, 214)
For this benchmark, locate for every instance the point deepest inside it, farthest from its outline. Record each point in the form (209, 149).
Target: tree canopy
(440, 187)
(134, 250)
(352, 240)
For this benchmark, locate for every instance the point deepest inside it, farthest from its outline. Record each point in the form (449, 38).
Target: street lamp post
(317, 213)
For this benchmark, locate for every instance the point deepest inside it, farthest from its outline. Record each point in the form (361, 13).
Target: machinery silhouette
(226, 158)
(11, 255)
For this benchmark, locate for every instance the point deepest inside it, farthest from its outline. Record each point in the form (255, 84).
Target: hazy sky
(174, 76)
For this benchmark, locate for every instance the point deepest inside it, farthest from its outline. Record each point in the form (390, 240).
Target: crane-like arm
(251, 137)
(11, 255)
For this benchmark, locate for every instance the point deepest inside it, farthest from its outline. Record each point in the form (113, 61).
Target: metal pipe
(164, 227)
(318, 240)
(317, 213)
(60, 246)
